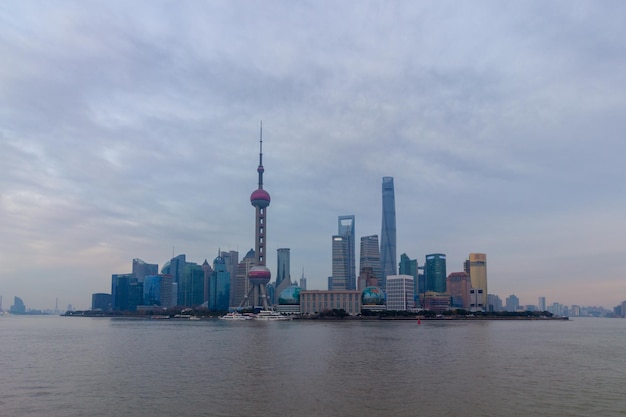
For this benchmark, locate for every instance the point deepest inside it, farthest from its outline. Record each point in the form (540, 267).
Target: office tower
(476, 268)
(99, 302)
(259, 275)
(458, 285)
(388, 233)
(370, 257)
(435, 272)
(283, 270)
(207, 271)
(340, 263)
(219, 292)
(188, 280)
(345, 265)
(159, 290)
(542, 304)
(399, 292)
(408, 266)
(231, 260)
(512, 303)
(241, 282)
(142, 269)
(126, 292)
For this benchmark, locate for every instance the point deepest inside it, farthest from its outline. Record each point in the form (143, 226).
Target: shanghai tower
(388, 233)
(259, 275)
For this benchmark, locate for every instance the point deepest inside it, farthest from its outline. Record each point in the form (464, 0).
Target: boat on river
(235, 316)
(270, 315)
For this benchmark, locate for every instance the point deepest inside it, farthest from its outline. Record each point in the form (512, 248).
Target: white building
(399, 289)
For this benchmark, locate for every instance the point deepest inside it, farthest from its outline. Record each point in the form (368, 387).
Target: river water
(69, 366)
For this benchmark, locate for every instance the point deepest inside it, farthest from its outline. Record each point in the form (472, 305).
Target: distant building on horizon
(512, 303)
(242, 284)
(158, 290)
(100, 302)
(18, 306)
(388, 232)
(219, 286)
(541, 306)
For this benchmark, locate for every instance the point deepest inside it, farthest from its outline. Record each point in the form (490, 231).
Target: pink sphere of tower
(259, 275)
(260, 198)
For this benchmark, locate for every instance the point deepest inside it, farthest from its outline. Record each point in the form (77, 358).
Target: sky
(130, 129)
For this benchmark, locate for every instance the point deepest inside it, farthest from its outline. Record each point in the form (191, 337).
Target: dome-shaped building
(289, 300)
(373, 298)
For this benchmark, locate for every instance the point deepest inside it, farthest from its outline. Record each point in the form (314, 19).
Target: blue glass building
(219, 286)
(388, 233)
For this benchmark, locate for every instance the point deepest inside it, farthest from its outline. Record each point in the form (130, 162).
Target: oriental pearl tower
(259, 275)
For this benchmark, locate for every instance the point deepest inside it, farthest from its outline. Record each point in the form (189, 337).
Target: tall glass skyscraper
(345, 230)
(388, 233)
(283, 270)
(435, 272)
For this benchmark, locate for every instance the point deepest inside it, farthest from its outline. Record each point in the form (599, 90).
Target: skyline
(129, 130)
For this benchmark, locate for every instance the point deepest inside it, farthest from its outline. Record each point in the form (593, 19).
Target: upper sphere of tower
(260, 169)
(260, 198)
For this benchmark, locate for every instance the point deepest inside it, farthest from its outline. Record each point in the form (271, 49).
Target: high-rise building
(408, 266)
(142, 269)
(345, 231)
(388, 232)
(188, 280)
(512, 303)
(259, 275)
(303, 281)
(370, 257)
(400, 292)
(219, 286)
(476, 268)
(18, 306)
(340, 263)
(126, 292)
(435, 273)
(542, 304)
(241, 282)
(494, 303)
(159, 290)
(283, 270)
(458, 285)
(231, 260)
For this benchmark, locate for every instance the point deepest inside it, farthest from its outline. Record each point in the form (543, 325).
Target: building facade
(458, 286)
(476, 268)
(388, 232)
(344, 258)
(283, 270)
(408, 266)
(399, 292)
(435, 273)
(370, 256)
(313, 302)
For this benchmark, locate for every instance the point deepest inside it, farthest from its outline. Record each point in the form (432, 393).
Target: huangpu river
(68, 366)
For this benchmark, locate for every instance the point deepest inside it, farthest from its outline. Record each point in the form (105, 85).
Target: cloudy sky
(129, 129)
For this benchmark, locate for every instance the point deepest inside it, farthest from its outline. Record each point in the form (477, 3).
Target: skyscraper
(400, 292)
(435, 272)
(370, 256)
(339, 263)
(388, 233)
(408, 266)
(283, 270)
(259, 275)
(345, 228)
(476, 267)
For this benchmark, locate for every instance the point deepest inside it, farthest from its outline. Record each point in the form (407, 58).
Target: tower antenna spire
(260, 169)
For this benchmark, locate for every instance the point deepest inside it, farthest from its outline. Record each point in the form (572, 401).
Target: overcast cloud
(129, 129)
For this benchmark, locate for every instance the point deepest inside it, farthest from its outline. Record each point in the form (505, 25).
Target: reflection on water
(56, 366)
